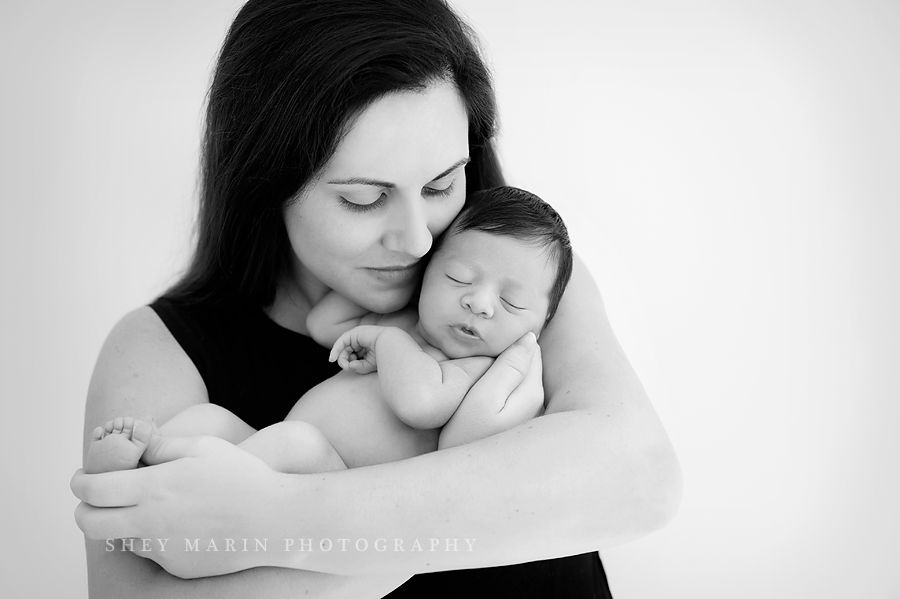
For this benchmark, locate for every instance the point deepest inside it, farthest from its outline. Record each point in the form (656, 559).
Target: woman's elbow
(662, 490)
(646, 499)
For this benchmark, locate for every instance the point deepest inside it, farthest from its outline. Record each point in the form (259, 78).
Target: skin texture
(595, 471)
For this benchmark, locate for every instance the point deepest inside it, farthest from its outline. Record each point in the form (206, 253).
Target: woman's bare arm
(595, 471)
(142, 371)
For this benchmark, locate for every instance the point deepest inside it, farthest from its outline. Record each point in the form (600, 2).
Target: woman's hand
(509, 393)
(177, 505)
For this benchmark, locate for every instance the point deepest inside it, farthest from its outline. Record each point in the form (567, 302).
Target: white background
(730, 170)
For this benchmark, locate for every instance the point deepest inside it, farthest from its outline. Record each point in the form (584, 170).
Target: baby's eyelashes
(511, 305)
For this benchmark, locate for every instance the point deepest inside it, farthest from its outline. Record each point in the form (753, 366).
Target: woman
(341, 138)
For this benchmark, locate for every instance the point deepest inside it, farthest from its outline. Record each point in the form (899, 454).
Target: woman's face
(396, 181)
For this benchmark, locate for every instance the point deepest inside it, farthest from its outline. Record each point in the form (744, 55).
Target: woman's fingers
(512, 365)
(167, 449)
(104, 523)
(206, 489)
(110, 498)
(504, 376)
(527, 400)
(123, 488)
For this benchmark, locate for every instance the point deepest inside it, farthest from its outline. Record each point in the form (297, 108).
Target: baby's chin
(455, 351)
(454, 354)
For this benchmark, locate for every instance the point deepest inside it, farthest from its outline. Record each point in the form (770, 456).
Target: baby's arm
(333, 316)
(423, 392)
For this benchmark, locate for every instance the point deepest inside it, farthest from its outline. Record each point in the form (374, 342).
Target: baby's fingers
(339, 346)
(357, 366)
(345, 358)
(362, 366)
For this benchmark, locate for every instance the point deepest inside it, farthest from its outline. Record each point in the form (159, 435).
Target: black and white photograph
(463, 298)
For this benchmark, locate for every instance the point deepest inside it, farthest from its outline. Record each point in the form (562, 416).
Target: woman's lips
(395, 274)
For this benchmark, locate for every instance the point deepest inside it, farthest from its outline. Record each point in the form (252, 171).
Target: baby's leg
(294, 447)
(207, 419)
(290, 447)
(120, 443)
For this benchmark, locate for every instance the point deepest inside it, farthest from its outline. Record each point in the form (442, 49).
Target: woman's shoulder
(142, 370)
(144, 332)
(140, 326)
(139, 336)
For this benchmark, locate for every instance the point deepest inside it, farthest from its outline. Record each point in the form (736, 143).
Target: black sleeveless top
(257, 370)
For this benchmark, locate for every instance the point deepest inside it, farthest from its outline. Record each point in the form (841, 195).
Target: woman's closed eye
(435, 191)
(360, 205)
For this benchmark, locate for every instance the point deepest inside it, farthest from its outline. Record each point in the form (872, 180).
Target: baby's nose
(479, 304)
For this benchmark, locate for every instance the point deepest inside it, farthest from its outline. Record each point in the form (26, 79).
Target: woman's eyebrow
(362, 181)
(388, 185)
(456, 165)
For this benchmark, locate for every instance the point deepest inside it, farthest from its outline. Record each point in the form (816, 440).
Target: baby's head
(498, 272)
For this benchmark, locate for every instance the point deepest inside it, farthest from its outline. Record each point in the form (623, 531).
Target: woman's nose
(408, 229)
(479, 303)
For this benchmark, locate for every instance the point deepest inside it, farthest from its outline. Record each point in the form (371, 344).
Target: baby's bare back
(350, 411)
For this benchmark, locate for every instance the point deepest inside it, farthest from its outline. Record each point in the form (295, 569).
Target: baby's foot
(118, 445)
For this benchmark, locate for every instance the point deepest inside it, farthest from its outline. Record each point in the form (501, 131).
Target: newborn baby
(495, 279)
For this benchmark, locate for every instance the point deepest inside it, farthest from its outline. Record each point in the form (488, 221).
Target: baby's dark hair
(524, 216)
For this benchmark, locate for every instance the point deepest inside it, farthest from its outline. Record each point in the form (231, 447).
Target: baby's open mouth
(466, 332)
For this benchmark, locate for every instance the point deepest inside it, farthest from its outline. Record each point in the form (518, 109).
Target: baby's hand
(355, 349)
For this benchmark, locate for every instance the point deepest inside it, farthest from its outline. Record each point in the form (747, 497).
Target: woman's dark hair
(520, 214)
(291, 76)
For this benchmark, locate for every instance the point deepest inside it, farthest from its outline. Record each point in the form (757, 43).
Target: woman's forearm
(121, 574)
(597, 470)
(558, 485)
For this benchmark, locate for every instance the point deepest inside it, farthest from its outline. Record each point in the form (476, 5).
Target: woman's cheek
(449, 209)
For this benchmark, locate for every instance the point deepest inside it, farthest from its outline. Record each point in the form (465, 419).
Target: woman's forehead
(404, 136)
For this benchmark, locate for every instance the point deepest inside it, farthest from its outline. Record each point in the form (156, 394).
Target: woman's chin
(385, 302)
